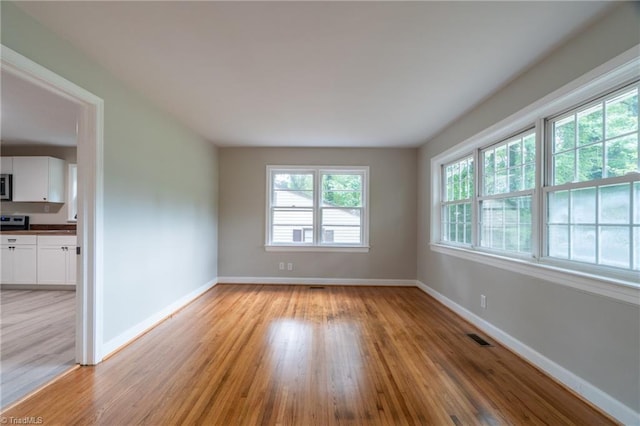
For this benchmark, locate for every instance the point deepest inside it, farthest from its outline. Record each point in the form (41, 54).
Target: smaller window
(317, 206)
(506, 200)
(456, 207)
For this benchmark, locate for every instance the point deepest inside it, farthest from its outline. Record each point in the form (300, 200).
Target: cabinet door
(6, 165)
(6, 265)
(52, 265)
(72, 262)
(24, 266)
(30, 179)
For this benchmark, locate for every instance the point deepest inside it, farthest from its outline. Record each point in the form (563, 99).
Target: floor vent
(316, 287)
(479, 340)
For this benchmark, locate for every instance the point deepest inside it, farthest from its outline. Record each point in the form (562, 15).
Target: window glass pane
(342, 199)
(514, 153)
(558, 236)
(590, 125)
(583, 206)
(622, 114)
(614, 246)
(288, 198)
(293, 181)
(530, 176)
(564, 134)
(341, 182)
(590, 162)
(614, 204)
(340, 217)
(564, 168)
(292, 217)
(282, 234)
(583, 243)
(530, 148)
(515, 179)
(506, 224)
(622, 155)
(501, 158)
(558, 207)
(489, 171)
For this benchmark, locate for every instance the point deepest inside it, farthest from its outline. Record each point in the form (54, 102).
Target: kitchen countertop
(40, 232)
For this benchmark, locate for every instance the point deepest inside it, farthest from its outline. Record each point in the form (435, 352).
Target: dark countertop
(41, 232)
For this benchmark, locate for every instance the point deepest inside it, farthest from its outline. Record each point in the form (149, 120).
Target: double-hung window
(506, 200)
(457, 201)
(317, 207)
(593, 196)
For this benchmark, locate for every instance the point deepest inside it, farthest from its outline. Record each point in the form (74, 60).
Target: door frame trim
(90, 225)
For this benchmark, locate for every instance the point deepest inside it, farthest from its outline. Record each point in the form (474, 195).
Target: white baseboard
(580, 386)
(143, 326)
(317, 281)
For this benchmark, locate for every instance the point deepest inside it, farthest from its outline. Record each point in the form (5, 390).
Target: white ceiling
(32, 115)
(262, 73)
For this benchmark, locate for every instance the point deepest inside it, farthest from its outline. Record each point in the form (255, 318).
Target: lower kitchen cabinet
(56, 259)
(18, 259)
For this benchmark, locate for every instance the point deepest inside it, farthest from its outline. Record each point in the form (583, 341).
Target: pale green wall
(160, 183)
(392, 178)
(595, 337)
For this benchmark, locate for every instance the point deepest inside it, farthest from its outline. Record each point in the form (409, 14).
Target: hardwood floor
(292, 355)
(37, 339)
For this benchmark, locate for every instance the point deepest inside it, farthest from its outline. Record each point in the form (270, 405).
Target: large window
(594, 196)
(317, 207)
(563, 191)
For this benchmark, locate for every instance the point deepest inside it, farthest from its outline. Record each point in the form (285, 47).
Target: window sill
(618, 289)
(343, 249)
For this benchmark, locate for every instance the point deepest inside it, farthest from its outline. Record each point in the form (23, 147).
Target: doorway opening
(87, 307)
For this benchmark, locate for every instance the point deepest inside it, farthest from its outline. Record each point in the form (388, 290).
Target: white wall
(392, 189)
(594, 337)
(160, 187)
(58, 213)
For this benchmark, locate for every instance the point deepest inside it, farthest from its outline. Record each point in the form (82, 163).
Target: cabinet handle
(12, 240)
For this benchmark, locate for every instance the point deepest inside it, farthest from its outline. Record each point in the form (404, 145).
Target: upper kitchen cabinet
(38, 179)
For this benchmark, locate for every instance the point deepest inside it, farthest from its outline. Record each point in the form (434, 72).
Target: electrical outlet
(483, 301)
(281, 266)
(289, 266)
(46, 208)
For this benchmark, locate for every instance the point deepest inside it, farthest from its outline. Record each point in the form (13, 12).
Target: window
(508, 183)
(72, 184)
(457, 199)
(594, 196)
(557, 187)
(317, 207)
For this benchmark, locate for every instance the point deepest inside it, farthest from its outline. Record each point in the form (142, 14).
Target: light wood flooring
(293, 355)
(37, 339)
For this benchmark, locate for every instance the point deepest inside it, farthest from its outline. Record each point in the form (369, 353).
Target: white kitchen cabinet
(56, 259)
(18, 260)
(38, 179)
(6, 165)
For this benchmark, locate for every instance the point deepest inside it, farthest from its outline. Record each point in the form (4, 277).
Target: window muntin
(317, 206)
(457, 205)
(506, 200)
(592, 200)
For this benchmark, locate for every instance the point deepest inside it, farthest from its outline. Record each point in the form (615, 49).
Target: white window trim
(318, 247)
(617, 71)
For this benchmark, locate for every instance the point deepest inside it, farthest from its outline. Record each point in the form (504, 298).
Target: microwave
(5, 187)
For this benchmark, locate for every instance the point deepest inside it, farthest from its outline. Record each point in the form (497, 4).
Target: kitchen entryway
(37, 340)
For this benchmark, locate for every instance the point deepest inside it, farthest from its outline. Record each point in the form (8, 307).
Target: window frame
(317, 244)
(620, 285)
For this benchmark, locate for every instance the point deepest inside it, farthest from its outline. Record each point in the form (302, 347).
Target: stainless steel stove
(14, 223)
